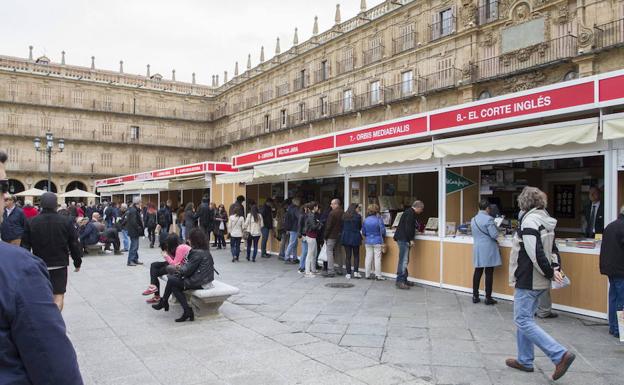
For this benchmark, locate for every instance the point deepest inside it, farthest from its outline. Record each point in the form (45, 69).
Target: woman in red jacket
(29, 210)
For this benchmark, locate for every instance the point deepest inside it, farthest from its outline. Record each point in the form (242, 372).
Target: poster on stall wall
(620, 318)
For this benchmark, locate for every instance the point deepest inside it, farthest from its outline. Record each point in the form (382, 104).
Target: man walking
(206, 216)
(52, 237)
(404, 237)
(333, 227)
(612, 265)
(135, 228)
(291, 224)
(33, 340)
(165, 220)
(267, 225)
(237, 204)
(13, 222)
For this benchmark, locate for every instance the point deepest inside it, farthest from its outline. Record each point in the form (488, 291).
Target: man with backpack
(206, 216)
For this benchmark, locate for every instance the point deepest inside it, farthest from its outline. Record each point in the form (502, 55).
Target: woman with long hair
(174, 252)
(253, 225)
(196, 273)
(221, 220)
(237, 222)
(352, 239)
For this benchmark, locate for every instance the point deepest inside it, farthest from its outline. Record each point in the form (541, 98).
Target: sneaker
(138, 262)
(357, 275)
(301, 271)
(266, 256)
(402, 286)
(348, 276)
(563, 366)
(131, 264)
(151, 289)
(380, 278)
(309, 275)
(549, 315)
(410, 283)
(513, 363)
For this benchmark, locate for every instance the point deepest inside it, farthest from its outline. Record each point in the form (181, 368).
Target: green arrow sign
(456, 182)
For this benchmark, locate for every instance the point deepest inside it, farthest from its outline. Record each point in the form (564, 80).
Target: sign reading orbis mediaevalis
(383, 132)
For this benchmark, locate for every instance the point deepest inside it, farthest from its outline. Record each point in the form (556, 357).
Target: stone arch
(15, 186)
(76, 184)
(43, 185)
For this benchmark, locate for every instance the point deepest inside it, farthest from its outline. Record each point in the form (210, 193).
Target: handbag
(222, 225)
(323, 254)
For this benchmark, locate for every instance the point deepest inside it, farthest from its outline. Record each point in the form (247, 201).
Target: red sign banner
(383, 132)
(548, 100)
(192, 169)
(163, 173)
(317, 144)
(223, 167)
(259, 156)
(611, 88)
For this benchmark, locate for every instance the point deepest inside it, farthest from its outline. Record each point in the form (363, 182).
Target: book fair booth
(566, 139)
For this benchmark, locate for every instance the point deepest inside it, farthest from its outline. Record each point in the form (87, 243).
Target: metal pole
(49, 150)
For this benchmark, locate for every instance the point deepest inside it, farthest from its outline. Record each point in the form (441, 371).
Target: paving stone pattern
(286, 329)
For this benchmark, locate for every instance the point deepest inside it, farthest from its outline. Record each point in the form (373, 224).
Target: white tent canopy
(78, 193)
(33, 192)
(421, 151)
(235, 177)
(283, 168)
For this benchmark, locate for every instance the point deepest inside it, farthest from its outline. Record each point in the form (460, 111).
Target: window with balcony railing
(107, 103)
(282, 89)
(76, 158)
(46, 94)
(610, 34)
(76, 126)
(266, 95)
(77, 97)
(13, 89)
(374, 52)
(323, 104)
(443, 23)
(488, 11)
(161, 161)
(375, 92)
(106, 159)
(347, 100)
(134, 132)
(407, 83)
(405, 41)
(135, 161)
(283, 118)
(347, 62)
(301, 81)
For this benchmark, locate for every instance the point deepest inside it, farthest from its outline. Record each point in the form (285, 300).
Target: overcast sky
(205, 37)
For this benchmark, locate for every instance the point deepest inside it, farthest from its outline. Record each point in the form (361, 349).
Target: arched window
(570, 75)
(43, 185)
(15, 186)
(484, 95)
(75, 185)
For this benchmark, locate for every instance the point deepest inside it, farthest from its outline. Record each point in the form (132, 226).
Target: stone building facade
(398, 58)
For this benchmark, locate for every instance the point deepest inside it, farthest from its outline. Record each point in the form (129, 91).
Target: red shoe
(154, 299)
(151, 289)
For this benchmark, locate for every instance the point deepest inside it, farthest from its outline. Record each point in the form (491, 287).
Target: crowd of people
(330, 238)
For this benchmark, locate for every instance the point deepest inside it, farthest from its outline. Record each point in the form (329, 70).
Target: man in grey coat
(485, 252)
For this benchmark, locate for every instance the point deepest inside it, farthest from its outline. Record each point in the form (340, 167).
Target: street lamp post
(49, 149)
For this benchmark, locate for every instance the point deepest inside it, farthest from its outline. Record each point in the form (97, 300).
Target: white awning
(274, 169)
(516, 139)
(613, 129)
(235, 177)
(160, 185)
(421, 151)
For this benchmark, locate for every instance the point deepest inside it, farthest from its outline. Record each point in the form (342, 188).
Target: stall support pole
(611, 186)
(347, 192)
(285, 189)
(441, 214)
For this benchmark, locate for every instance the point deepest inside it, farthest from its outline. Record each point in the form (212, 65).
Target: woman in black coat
(196, 273)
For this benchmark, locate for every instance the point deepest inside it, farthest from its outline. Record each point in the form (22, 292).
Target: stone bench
(98, 247)
(208, 301)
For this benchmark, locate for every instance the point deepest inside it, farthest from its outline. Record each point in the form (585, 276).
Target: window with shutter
(435, 25)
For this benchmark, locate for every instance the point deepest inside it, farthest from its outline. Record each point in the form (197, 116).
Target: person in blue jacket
(34, 348)
(485, 252)
(13, 222)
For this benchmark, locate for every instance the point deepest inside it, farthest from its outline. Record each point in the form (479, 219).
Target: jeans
(156, 270)
(133, 254)
(249, 242)
(151, 234)
(310, 258)
(616, 302)
(373, 251)
(291, 250)
(544, 304)
(304, 253)
(404, 249)
(283, 244)
(349, 251)
(182, 232)
(330, 246)
(235, 244)
(265, 239)
(489, 280)
(126, 239)
(528, 333)
(220, 239)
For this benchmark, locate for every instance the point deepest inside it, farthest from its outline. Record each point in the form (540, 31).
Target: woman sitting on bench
(195, 274)
(174, 254)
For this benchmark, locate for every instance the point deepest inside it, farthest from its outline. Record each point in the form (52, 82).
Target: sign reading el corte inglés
(531, 103)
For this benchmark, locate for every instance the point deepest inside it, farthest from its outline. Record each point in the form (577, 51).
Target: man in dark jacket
(205, 215)
(34, 348)
(110, 214)
(238, 203)
(612, 265)
(52, 237)
(267, 225)
(291, 225)
(333, 228)
(404, 237)
(165, 220)
(593, 214)
(89, 235)
(13, 222)
(135, 228)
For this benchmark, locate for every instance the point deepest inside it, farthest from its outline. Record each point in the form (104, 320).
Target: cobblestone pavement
(287, 329)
